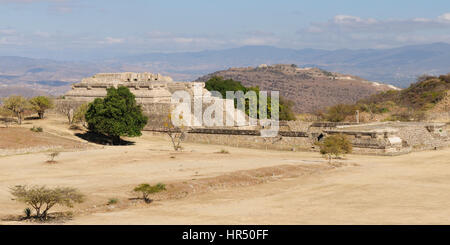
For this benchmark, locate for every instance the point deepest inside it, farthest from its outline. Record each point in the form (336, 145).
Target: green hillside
(410, 104)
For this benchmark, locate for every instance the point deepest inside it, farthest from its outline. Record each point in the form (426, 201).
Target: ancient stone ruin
(154, 92)
(147, 87)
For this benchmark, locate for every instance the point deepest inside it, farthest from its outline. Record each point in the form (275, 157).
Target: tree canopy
(42, 198)
(17, 105)
(116, 115)
(147, 189)
(222, 85)
(40, 104)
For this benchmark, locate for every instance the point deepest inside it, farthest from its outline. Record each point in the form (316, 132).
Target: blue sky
(69, 29)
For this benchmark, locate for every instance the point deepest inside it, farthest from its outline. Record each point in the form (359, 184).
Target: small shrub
(145, 190)
(335, 145)
(52, 157)
(223, 151)
(176, 134)
(113, 201)
(27, 212)
(37, 129)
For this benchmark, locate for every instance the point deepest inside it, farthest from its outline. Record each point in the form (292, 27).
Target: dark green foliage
(222, 85)
(27, 212)
(112, 201)
(116, 115)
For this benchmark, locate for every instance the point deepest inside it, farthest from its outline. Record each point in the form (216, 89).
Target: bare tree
(67, 108)
(176, 133)
(52, 157)
(79, 115)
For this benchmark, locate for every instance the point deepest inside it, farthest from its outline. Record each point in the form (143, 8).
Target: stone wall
(423, 138)
(405, 138)
(157, 115)
(253, 141)
(367, 146)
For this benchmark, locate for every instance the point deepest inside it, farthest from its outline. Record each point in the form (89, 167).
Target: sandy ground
(408, 189)
(413, 189)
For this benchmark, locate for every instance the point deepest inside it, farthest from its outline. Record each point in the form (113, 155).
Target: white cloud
(112, 40)
(444, 17)
(106, 40)
(346, 31)
(7, 32)
(421, 20)
(349, 23)
(258, 41)
(345, 19)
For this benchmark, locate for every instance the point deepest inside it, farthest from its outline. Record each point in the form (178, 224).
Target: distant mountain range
(396, 66)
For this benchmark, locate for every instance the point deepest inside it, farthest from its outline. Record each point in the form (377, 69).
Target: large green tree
(40, 104)
(116, 115)
(222, 85)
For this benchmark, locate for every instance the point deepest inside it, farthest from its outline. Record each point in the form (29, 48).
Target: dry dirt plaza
(244, 186)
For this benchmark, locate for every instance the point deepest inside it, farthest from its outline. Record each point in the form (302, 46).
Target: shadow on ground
(101, 139)
(31, 118)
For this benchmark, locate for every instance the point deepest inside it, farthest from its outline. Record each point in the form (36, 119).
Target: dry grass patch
(19, 138)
